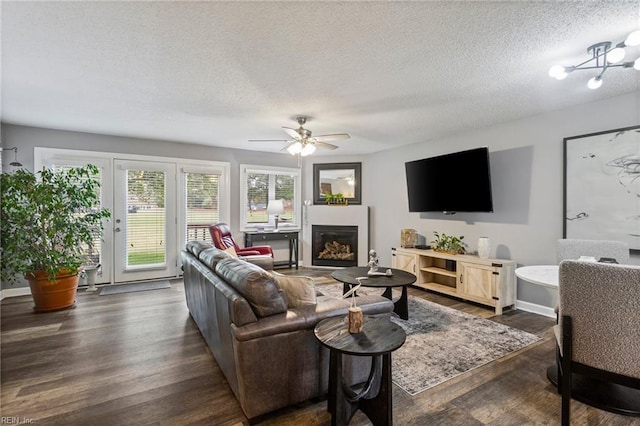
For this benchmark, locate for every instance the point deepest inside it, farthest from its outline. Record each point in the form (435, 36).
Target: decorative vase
(408, 238)
(92, 274)
(484, 247)
(355, 320)
(53, 295)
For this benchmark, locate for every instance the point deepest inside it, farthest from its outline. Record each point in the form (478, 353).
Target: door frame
(43, 156)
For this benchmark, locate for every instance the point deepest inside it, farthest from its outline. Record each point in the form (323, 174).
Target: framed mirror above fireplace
(337, 178)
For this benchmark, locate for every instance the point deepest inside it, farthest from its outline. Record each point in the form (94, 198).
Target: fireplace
(334, 245)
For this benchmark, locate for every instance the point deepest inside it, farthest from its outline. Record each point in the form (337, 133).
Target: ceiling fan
(302, 142)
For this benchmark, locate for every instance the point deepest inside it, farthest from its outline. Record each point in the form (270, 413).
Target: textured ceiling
(220, 73)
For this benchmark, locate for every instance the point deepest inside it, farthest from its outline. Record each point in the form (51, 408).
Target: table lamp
(275, 207)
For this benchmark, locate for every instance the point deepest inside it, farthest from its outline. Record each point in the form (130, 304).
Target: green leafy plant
(335, 198)
(448, 243)
(49, 220)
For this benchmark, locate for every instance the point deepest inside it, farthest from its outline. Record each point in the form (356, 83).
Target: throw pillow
(231, 251)
(298, 290)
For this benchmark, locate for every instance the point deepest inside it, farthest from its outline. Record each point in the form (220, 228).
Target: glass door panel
(144, 220)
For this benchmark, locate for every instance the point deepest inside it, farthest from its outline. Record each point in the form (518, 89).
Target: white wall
(527, 168)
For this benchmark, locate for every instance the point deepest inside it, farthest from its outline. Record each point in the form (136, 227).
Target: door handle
(117, 229)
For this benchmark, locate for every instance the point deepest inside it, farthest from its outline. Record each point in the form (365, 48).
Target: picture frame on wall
(602, 186)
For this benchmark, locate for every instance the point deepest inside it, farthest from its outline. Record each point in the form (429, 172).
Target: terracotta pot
(53, 295)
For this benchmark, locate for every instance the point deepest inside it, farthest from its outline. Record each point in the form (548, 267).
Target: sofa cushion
(298, 290)
(254, 284)
(197, 247)
(263, 261)
(212, 256)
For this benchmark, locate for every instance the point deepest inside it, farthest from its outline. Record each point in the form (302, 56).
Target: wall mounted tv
(457, 182)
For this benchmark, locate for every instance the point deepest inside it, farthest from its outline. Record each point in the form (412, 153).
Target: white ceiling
(220, 73)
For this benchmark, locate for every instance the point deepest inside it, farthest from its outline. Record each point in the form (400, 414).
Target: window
(202, 204)
(205, 194)
(259, 185)
(100, 251)
(93, 253)
(157, 205)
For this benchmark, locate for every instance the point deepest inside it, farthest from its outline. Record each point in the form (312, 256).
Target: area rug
(443, 343)
(130, 288)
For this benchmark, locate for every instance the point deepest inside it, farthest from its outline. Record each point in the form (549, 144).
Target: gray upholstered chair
(599, 334)
(573, 249)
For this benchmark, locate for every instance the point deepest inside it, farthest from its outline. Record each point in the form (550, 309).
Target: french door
(144, 220)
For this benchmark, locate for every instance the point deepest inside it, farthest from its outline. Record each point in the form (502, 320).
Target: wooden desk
(263, 238)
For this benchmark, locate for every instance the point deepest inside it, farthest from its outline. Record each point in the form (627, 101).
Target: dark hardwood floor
(137, 359)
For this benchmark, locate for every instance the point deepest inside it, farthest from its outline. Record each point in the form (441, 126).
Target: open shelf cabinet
(487, 281)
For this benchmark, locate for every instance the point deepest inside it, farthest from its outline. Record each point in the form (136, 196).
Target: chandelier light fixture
(603, 56)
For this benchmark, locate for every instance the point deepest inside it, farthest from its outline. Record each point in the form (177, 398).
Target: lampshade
(633, 39)
(275, 207)
(615, 55)
(295, 148)
(308, 149)
(594, 83)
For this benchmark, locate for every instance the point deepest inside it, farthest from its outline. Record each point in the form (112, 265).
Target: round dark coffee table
(399, 278)
(378, 338)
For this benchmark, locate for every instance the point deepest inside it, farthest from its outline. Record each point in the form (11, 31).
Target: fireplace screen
(335, 245)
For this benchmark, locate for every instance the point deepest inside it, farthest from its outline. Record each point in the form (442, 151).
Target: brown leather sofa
(266, 350)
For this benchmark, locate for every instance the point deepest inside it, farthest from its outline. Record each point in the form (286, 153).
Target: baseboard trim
(13, 292)
(536, 309)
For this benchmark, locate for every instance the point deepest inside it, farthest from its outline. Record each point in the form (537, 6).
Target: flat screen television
(457, 182)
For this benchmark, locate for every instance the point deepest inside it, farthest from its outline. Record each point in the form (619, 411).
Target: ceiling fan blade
(332, 137)
(325, 145)
(292, 132)
(269, 140)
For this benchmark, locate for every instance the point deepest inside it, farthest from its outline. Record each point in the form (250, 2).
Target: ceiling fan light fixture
(308, 149)
(295, 148)
(301, 142)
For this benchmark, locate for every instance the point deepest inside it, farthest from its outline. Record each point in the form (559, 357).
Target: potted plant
(335, 198)
(48, 221)
(448, 243)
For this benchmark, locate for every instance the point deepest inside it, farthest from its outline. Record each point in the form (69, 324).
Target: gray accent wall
(527, 178)
(526, 167)
(27, 138)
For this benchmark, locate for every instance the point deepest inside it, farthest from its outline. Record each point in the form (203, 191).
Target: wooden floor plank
(138, 358)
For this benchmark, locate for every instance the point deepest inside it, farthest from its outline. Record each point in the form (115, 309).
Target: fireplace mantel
(336, 216)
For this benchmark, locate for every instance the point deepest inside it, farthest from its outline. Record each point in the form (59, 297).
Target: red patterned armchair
(222, 239)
